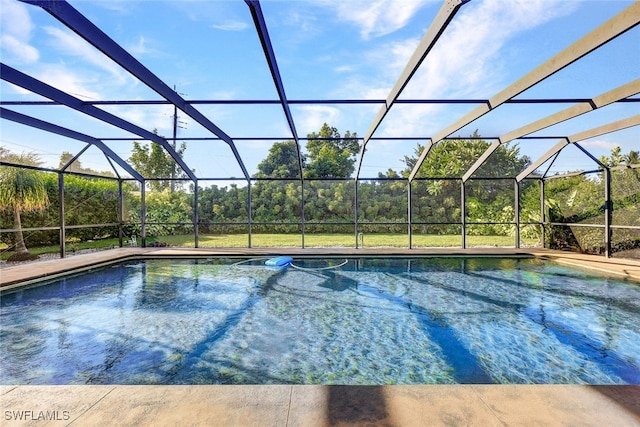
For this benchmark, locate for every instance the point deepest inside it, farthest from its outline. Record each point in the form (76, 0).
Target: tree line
(327, 164)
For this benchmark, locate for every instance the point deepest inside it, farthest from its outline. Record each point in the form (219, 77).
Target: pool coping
(318, 405)
(29, 273)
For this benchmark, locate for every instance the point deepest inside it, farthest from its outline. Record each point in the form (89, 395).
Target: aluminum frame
(66, 14)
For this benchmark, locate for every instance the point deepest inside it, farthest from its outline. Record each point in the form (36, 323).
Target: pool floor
(175, 322)
(440, 405)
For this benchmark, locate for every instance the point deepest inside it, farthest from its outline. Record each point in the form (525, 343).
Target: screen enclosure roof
(82, 80)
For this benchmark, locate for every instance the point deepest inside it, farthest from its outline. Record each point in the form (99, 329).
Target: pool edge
(30, 273)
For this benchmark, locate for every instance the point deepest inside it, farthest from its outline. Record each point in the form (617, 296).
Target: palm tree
(633, 158)
(21, 190)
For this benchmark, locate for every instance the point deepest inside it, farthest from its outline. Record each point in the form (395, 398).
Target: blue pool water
(369, 321)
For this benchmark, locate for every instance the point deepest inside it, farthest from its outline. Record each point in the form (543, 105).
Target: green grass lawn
(5, 251)
(291, 240)
(346, 240)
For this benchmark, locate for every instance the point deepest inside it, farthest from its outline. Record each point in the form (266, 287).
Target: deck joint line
(289, 407)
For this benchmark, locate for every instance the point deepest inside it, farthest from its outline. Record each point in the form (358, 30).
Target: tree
(439, 201)
(330, 155)
(168, 213)
(452, 158)
(616, 158)
(274, 201)
(581, 199)
(76, 166)
(384, 200)
(152, 161)
(281, 162)
(633, 158)
(22, 190)
(65, 158)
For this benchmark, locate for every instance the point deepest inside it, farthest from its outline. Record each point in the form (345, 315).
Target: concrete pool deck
(307, 405)
(302, 405)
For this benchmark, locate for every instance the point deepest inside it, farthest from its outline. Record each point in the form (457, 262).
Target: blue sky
(326, 49)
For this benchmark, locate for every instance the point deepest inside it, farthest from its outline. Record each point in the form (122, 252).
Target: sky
(326, 50)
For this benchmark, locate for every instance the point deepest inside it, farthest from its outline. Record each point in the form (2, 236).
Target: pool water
(323, 321)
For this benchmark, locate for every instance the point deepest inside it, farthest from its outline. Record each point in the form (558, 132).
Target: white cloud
(373, 76)
(231, 26)
(70, 44)
(376, 17)
(123, 7)
(224, 94)
(344, 68)
(17, 29)
(467, 59)
(15, 19)
(393, 56)
(467, 54)
(149, 118)
(22, 52)
(141, 47)
(11, 88)
(305, 22)
(77, 84)
(310, 118)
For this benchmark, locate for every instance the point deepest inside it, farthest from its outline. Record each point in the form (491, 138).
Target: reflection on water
(391, 321)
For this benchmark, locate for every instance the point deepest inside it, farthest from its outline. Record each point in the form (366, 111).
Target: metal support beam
(463, 213)
(608, 213)
(409, 215)
(196, 217)
(607, 128)
(553, 151)
(113, 168)
(623, 167)
(444, 16)
(516, 209)
(608, 204)
(50, 127)
(570, 174)
(427, 148)
(619, 24)
(143, 215)
(62, 233)
(69, 16)
(249, 214)
(580, 136)
(483, 158)
(355, 210)
(120, 213)
(545, 122)
(607, 98)
(591, 156)
(265, 40)
(431, 101)
(18, 78)
(74, 158)
(302, 218)
(550, 165)
(543, 218)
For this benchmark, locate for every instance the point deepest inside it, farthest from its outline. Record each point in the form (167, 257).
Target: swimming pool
(323, 321)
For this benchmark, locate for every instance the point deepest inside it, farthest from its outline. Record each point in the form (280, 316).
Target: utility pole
(173, 144)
